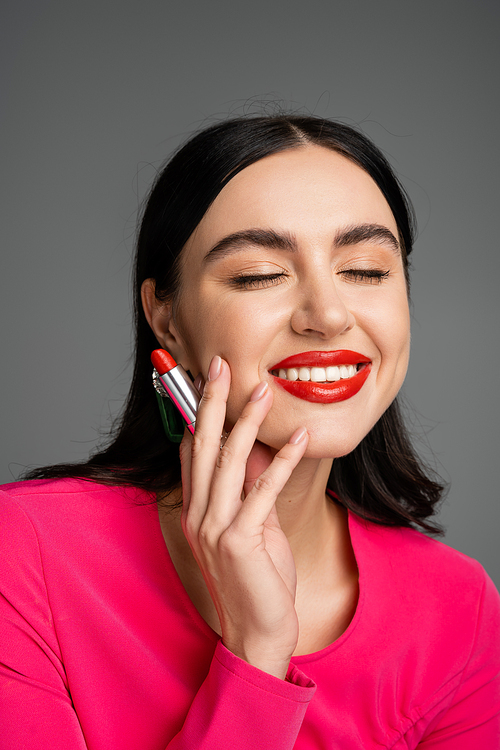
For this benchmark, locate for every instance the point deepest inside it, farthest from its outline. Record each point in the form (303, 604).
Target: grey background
(95, 95)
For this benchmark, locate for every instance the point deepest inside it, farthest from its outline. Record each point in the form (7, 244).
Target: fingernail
(215, 368)
(298, 435)
(259, 391)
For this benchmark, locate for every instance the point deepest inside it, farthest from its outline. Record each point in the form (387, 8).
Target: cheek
(212, 326)
(392, 332)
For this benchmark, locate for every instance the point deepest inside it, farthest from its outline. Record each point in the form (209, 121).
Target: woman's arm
(35, 707)
(238, 702)
(236, 705)
(241, 707)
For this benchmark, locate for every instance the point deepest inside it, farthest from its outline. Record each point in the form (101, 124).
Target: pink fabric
(101, 648)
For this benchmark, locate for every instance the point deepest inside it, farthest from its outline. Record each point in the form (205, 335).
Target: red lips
(325, 393)
(322, 359)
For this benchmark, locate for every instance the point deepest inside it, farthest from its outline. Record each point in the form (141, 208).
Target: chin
(327, 448)
(324, 442)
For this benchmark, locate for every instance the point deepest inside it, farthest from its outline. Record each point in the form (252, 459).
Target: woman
(281, 597)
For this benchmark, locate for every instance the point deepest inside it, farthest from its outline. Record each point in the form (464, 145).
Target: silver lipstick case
(179, 387)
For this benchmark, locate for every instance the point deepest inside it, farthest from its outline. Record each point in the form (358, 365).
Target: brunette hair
(382, 479)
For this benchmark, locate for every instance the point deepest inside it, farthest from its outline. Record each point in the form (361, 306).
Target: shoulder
(41, 497)
(416, 562)
(63, 534)
(57, 513)
(432, 615)
(431, 598)
(435, 591)
(28, 492)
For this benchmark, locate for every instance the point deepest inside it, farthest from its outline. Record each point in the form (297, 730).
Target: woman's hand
(230, 521)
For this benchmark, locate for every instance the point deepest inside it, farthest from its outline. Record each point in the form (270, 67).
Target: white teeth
(332, 374)
(317, 374)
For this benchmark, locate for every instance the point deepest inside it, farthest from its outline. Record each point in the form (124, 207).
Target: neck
(308, 517)
(314, 525)
(319, 538)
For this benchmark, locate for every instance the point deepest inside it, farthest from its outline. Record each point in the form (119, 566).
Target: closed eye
(364, 276)
(258, 281)
(263, 281)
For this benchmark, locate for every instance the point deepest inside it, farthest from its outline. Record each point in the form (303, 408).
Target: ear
(160, 318)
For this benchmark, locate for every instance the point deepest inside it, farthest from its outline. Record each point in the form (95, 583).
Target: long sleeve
(236, 704)
(35, 707)
(101, 647)
(243, 708)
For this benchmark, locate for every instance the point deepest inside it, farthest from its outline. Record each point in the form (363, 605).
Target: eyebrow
(273, 240)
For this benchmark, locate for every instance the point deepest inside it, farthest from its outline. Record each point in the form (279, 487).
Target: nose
(320, 310)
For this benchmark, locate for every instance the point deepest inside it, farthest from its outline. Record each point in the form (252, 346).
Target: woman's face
(298, 257)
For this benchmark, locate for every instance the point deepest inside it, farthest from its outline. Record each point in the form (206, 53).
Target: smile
(323, 377)
(317, 374)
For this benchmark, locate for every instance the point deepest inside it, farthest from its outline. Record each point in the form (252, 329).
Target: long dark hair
(382, 480)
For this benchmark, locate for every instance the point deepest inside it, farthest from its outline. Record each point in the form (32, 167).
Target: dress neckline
(355, 532)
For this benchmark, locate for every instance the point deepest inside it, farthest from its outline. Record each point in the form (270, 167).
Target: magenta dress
(102, 649)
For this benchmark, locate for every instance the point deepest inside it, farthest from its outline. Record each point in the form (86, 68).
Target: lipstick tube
(178, 386)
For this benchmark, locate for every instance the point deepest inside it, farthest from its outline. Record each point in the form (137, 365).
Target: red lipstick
(178, 386)
(324, 393)
(162, 361)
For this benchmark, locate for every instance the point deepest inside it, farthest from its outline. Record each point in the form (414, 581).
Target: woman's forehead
(308, 190)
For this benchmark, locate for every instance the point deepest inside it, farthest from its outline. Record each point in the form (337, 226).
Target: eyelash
(263, 281)
(257, 281)
(368, 276)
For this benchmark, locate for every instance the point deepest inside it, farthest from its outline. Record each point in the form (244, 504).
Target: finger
(229, 474)
(261, 499)
(185, 454)
(205, 443)
(185, 458)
